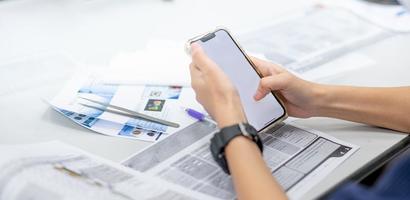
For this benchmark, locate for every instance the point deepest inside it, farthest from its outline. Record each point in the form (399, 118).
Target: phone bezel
(271, 124)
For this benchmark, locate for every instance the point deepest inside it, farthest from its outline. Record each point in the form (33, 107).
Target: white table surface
(93, 31)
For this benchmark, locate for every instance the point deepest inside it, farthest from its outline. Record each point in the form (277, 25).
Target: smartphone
(220, 46)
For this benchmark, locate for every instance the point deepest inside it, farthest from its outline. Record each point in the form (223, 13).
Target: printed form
(298, 158)
(55, 170)
(307, 38)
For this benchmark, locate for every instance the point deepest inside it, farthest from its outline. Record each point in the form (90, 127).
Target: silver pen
(129, 113)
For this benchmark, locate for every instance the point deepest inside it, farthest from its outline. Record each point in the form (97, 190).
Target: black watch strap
(225, 135)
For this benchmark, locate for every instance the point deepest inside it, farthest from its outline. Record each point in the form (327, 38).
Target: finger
(261, 92)
(260, 66)
(195, 75)
(270, 83)
(276, 68)
(267, 68)
(200, 59)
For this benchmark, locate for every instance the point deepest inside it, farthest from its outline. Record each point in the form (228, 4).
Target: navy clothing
(393, 184)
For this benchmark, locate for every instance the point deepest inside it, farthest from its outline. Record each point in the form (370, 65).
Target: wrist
(237, 134)
(322, 99)
(230, 116)
(229, 120)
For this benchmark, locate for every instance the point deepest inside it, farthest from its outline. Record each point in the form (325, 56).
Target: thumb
(200, 59)
(268, 84)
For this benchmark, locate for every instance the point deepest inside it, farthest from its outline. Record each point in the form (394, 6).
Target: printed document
(303, 41)
(164, 102)
(54, 170)
(392, 17)
(297, 157)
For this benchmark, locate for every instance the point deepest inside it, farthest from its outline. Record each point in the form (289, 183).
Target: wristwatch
(225, 135)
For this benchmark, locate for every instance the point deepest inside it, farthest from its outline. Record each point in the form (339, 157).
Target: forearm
(252, 179)
(384, 107)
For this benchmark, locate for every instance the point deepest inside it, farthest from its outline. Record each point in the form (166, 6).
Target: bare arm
(251, 177)
(384, 107)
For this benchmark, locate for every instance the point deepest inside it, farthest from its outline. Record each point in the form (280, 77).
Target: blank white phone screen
(224, 52)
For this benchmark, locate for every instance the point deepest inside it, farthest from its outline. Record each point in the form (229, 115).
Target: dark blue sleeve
(394, 184)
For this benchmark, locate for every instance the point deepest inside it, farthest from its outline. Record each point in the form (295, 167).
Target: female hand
(299, 96)
(214, 90)
(219, 97)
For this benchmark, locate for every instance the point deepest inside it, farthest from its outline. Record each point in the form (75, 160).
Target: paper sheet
(338, 67)
(54, 170)
(306, 39)
(160, 63)
(298, 158)
(392, 17)
(164, 102)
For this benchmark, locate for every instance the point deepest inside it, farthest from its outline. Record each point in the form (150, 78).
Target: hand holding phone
(214, 90)
(223, 54)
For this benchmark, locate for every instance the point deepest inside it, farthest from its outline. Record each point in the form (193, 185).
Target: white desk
(93, 31)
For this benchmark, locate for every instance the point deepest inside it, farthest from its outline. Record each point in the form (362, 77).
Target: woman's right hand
(301, 98)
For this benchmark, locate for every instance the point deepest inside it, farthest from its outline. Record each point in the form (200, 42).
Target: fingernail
(256, 96)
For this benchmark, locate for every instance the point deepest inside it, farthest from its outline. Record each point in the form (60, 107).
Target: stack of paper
(154, 81)
(164, 102)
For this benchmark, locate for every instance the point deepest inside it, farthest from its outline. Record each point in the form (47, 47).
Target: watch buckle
(244, 131)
